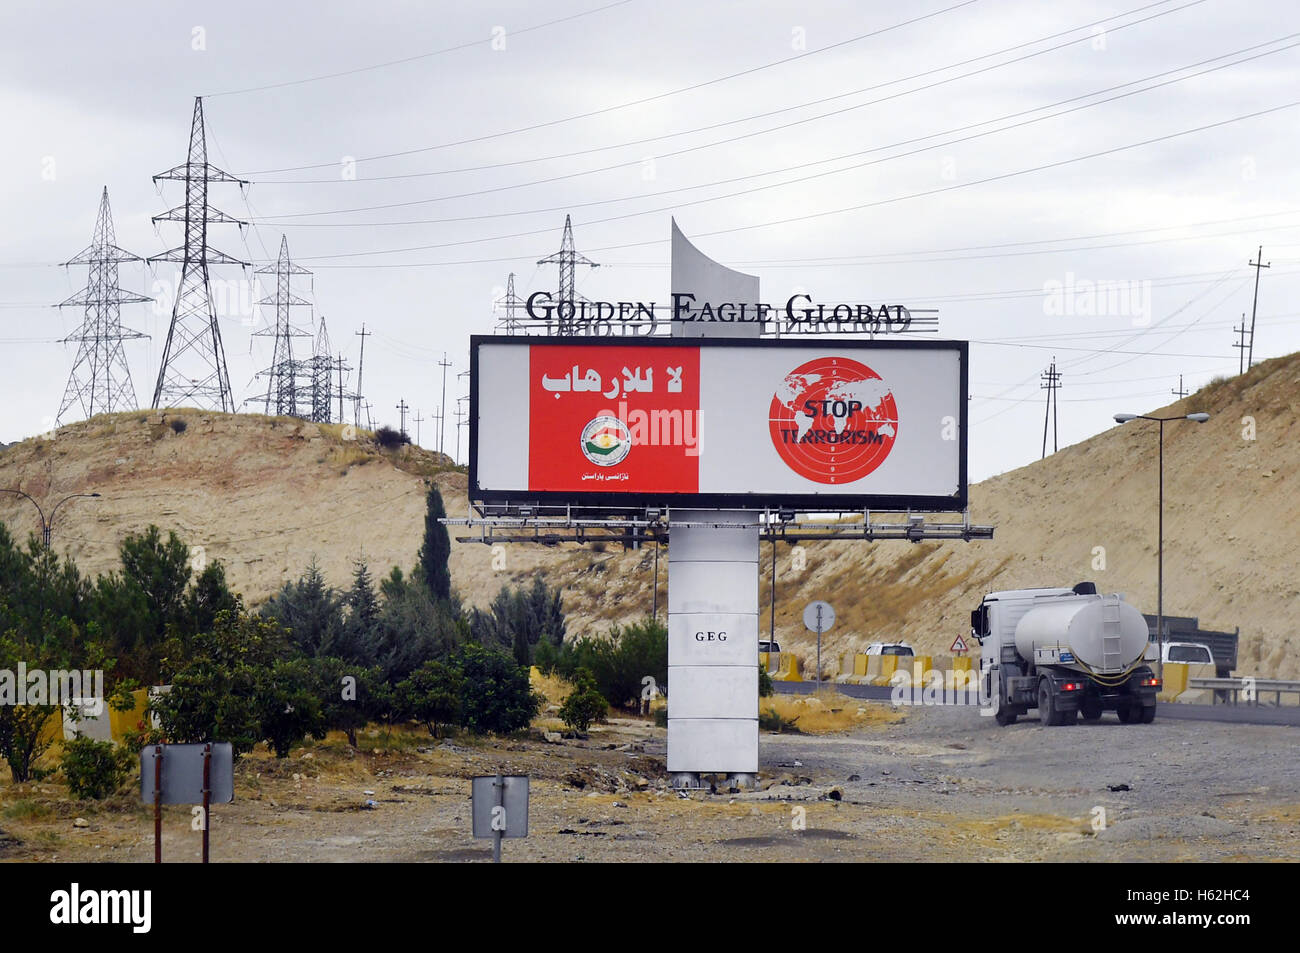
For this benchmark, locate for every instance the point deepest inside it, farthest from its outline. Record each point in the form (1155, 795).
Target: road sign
(186, 774)
(182, 773)
(499, 808)
(819, 616)
(958, 645)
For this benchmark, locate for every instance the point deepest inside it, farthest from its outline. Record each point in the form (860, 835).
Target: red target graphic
(833, 420)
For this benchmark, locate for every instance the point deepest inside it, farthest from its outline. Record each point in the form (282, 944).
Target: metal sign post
(157, 804)
(207, 795)
(819, 617)
(186, 774)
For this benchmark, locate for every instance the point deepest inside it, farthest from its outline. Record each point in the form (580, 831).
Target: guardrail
(1246, 688)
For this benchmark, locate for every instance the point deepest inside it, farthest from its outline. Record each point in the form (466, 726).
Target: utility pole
(568, 259)
(1241, 344)
(340, 363)
(460, 422)
(370, 421)
(403, 407)
(100, 380)
(417, 418)
(361, 367)
(444, 364)
(1257, 265)
(1052, 383)
(193, 367)
(1180, 393)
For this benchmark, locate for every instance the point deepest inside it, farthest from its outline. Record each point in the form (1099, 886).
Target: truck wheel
(1047, 713)
(1126, 712)
(1148, 714)
(1090, 709)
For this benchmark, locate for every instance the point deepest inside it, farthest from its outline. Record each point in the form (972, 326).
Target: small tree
(584, 704)
(348, 695)
(310, 611)
(219, 685)
(432, 694)
(290, 706)
(497, 694)
(436, 551)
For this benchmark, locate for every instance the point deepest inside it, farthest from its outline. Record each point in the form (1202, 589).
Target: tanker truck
(1066, 652)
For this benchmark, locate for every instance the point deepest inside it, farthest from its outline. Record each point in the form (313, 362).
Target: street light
(47, 525)
(1199, 418)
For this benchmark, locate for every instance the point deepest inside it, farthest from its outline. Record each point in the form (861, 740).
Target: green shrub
(769, 720)
(220, 685)
(661, 717)
(765, 686)
(621, 663)
(433, 695)
(388, 438)
(95, 769)
(584, 704)
(546, 657)
(290, 705)
(497, 695)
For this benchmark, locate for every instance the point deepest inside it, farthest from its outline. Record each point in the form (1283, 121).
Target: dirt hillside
(266, 495)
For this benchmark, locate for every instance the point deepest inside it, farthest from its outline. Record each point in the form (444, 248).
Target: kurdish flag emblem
(606, 441)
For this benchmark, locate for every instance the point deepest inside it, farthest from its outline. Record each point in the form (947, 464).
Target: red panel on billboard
(614, 419)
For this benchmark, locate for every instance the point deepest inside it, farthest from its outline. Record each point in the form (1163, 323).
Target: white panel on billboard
(499, 418)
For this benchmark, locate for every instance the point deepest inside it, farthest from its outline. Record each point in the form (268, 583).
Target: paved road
(1239, 714)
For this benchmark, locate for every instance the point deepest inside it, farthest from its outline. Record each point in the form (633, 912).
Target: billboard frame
(800, 502)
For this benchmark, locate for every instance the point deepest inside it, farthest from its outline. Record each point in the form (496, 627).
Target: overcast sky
(628, 104)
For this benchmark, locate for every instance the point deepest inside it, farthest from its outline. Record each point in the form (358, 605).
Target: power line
(816, 215)
(658, 96)
(411, 59)
(792, 168)
(697, 148)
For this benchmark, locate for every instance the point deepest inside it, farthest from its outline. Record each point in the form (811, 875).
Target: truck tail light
(1071, 686)
(1151, 682)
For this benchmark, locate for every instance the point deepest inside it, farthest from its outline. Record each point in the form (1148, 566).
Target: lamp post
(47, 525)
(1160, 548)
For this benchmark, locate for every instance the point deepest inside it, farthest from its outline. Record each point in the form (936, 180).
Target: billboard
(740, 423)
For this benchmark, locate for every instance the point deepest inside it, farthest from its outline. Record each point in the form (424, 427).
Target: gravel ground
(943, 784)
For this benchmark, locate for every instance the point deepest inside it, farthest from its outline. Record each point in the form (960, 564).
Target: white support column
(713, 644)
